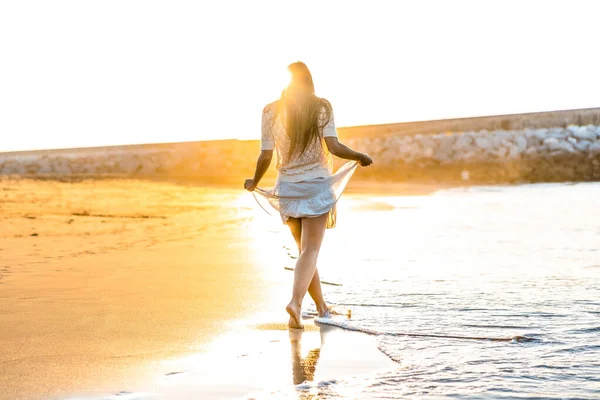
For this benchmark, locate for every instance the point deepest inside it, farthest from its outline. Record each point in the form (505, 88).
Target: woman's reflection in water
(303, 369)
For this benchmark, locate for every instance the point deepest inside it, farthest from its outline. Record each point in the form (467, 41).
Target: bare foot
(326, 312)
(294, 312)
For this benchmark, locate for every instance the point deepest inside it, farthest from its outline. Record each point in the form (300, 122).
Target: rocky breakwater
(556, 154)
(222, 161)
(499, 156)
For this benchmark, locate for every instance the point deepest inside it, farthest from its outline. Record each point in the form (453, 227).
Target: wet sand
(273, 363)
(102, 281)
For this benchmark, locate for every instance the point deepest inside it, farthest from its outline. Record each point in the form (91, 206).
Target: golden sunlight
(157, 240)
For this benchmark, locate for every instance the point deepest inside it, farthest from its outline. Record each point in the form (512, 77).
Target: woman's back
(315, 161)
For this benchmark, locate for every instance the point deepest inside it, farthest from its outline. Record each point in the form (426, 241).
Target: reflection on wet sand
(303, 368)
(338, 354)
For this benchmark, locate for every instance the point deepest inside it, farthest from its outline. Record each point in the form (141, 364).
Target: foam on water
(349, 326)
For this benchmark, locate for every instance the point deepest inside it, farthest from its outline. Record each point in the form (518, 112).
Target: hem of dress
(331, 217)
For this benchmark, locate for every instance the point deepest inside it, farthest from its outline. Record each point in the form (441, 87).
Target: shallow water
(491, 262)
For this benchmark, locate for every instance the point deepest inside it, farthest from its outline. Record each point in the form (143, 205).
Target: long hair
(304, 115)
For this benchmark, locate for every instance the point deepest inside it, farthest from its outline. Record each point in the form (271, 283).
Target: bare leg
(313, 230)
(314, 289)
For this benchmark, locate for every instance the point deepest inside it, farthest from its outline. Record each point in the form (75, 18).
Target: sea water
(485, 292)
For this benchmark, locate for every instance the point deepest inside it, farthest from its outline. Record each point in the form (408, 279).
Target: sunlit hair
(304, 115)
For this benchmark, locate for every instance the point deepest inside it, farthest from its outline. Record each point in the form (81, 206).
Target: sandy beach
(102, 281)
(99, 279)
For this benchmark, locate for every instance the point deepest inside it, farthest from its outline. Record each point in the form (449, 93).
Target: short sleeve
(266, 137)
(329, 129)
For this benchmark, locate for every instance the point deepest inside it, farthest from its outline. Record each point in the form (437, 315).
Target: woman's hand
(249, 185)
(365, 160)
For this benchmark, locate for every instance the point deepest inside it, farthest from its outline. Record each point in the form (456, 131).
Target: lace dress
(306, 185)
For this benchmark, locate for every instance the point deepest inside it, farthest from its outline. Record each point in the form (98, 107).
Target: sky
(91, 73)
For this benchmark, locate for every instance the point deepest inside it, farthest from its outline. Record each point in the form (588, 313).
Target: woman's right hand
(365, 160)
(249, 185)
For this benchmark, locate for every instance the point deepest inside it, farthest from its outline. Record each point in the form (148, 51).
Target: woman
(300, 126)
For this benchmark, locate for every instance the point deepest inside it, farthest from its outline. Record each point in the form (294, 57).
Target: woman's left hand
(249, 185)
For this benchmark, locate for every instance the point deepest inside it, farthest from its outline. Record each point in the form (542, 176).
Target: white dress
(306, 185)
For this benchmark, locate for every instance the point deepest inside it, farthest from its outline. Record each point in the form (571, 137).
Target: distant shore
(534, 147)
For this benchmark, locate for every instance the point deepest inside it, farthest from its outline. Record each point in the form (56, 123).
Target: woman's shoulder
(271, 107)
(325, 112)
(324, 102)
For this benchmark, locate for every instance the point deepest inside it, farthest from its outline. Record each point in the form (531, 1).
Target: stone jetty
(538, 147)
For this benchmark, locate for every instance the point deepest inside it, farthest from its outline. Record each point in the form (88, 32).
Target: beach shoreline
(121, 289)
(102, 281)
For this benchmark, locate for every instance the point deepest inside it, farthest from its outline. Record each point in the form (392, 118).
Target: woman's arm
(262, 165)
(342, 151)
